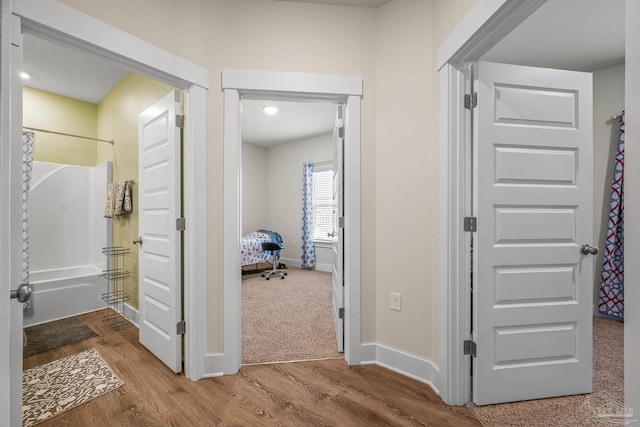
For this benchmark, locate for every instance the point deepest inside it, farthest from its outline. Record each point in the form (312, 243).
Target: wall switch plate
(396, 301)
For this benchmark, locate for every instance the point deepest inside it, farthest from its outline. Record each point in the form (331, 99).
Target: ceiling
(66, 71)
(359, 3)
(582, 35)
(293, 122)
(579, 35)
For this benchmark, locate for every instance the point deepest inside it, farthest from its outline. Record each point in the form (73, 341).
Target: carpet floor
(53, 388)
(51, 335)
(288, 319)
(604, 407)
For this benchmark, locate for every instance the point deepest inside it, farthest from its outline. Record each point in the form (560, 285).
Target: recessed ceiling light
(270, 110)
(24, 75)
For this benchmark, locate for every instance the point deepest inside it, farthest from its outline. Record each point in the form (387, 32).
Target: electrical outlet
(396, 301)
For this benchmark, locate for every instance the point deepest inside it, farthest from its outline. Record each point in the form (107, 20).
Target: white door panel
(10, 223)
(160, 283)
(337, 290)
(532, 290)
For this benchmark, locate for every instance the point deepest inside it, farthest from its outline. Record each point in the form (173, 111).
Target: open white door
(532, 297)
(10, 220)
(159, 260)
(337, 246)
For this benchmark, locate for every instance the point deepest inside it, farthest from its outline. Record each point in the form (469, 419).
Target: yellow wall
(118, 120)
(44, 110)
(393, 49)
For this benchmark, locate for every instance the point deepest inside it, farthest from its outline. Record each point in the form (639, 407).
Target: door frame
(52, 20)
(488, 22)
(287, 86)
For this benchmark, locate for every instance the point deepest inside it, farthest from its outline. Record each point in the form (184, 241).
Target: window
(322, 203)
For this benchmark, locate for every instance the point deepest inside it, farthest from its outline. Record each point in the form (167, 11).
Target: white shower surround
(67, 232)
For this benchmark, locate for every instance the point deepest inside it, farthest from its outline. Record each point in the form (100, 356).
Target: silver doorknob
(588, 249)
(23, 293)
(137, 241)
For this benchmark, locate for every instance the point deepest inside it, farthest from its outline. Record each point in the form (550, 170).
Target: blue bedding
(251, 246)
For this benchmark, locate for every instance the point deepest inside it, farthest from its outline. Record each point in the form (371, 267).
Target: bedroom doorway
(288, 317)
(241, 86)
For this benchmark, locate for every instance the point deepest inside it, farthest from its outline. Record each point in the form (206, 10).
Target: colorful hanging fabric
(611, 301)
(307, 251)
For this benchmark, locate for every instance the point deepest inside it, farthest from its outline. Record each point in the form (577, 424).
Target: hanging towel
(109, 204)
(127, 207)
(120, 189)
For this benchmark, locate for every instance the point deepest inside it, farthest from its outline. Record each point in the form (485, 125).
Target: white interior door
(337, 292)
(159, 261)
(10, 222)
(532, 296)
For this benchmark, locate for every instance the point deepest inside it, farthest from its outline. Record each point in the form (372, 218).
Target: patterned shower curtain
(28, 142)
(612, 284)
(307, 252)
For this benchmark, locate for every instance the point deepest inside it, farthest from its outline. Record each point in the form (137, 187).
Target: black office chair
(273, 247)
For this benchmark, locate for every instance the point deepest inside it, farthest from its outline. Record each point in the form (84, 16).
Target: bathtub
(64, 292)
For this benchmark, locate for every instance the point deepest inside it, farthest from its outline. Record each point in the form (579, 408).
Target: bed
(251, 246)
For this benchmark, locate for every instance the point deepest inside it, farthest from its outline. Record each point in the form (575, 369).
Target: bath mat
(53, 388)
(47, 336)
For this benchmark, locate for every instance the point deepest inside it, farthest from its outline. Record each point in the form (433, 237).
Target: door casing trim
(253, 84)
(485, 25)
(53, 20)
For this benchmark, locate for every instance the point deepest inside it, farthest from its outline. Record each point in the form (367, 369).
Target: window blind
(322, 204)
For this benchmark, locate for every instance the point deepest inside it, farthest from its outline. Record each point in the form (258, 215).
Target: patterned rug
(53, 388)
(47, 336)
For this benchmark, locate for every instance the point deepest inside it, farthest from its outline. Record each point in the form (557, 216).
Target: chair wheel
(282, 277)
(267, 278)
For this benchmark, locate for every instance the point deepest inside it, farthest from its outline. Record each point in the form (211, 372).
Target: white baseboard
(290, 262)
(296, 263)
(132, 314)
(419, 369)
(213, 365)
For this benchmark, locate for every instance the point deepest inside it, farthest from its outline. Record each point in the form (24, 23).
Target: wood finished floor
(314, 393)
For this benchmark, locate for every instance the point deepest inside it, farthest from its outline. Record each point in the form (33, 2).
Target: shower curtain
(28, 142)
(611, 301)
(307, 251)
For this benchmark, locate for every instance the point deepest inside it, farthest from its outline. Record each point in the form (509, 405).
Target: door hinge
(470, 348)
(181, 327)
(341, 222)
(341, 313)
(341, 132)
(180, 121)
(471, 100)
(470, 223)
(180, 224)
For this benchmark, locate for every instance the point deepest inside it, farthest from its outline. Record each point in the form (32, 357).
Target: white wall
(254, 188)
(406, 179)
(632, 208)
(271, 189)
(284, 177)
(393, 49)
(608, 99)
